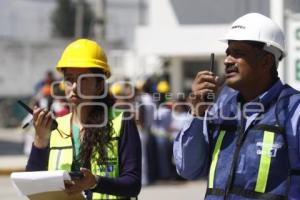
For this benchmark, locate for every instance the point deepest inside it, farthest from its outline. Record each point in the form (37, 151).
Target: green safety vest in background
(61, 152)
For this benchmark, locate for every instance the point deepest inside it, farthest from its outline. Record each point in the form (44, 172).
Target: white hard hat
(258, 28)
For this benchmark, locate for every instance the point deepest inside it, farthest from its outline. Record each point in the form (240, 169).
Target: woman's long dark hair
(96, 139)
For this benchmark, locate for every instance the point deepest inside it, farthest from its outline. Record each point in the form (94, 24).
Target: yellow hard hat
(84, 53)
(163, 87)
(61, 86)
(116, 89)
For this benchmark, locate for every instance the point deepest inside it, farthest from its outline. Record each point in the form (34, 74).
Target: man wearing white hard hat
(247, 141)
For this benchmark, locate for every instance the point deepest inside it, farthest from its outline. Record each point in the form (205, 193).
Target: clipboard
(43, 185)
(55, 195)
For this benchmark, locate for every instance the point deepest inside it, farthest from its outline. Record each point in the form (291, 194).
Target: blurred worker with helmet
(160, 128)
(163, 87)
(247, 142)
(94, 138)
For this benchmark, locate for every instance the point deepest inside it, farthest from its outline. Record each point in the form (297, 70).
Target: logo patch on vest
(106, 168)
(271, 149)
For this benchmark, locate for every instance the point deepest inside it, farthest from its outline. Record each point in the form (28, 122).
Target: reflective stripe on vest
(61, 152)
(214, 161)
(265, 161)
(263, 171)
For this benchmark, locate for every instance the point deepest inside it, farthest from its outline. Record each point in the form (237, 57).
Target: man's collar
(266, 97)
(272, 93)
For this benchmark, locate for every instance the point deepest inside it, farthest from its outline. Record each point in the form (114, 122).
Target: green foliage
(63, 19)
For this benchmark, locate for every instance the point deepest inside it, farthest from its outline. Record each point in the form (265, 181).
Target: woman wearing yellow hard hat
(94, 138)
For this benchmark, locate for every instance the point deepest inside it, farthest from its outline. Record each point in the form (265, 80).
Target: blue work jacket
(248, 150)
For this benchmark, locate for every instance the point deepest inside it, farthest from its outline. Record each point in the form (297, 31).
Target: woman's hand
(78, 185)
(42, 121)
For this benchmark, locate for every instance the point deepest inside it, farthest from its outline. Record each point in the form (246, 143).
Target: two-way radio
(209, 97)
(29, 110)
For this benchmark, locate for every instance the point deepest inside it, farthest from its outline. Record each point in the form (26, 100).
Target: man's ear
(268, 61)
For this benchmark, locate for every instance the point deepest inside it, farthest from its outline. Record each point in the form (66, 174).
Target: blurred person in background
(125, 94)
(144, 136)
(248, 141)
(145, 108)
(43, 97)
(146, 98)
(94, 138)
(47, 80)
(60, 106)
(161, 130)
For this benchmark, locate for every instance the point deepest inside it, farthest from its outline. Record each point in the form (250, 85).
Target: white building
(28, 48)
(185, 33)
(142, 37)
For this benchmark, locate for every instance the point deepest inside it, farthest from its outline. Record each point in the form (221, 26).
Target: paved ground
(171, 191)
(11, 150)
(11, 141)
(161, 191)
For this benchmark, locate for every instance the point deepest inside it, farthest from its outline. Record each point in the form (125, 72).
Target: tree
(63, 19)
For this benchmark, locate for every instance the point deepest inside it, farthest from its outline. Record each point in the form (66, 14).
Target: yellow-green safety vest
(61, 152)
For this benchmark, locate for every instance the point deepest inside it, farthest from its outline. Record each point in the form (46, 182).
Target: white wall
(24, 64)
(26, 19)
(181, 41)
(161, 14)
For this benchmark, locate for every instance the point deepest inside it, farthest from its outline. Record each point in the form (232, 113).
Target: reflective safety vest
(62, 152)
(256, 163)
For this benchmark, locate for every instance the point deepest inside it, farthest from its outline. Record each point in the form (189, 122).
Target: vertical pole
(141, 12)
(176, 75)
(79, 19)
(100, 15)
(277, 15)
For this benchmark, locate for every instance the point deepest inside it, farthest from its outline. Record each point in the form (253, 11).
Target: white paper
(41, 181)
